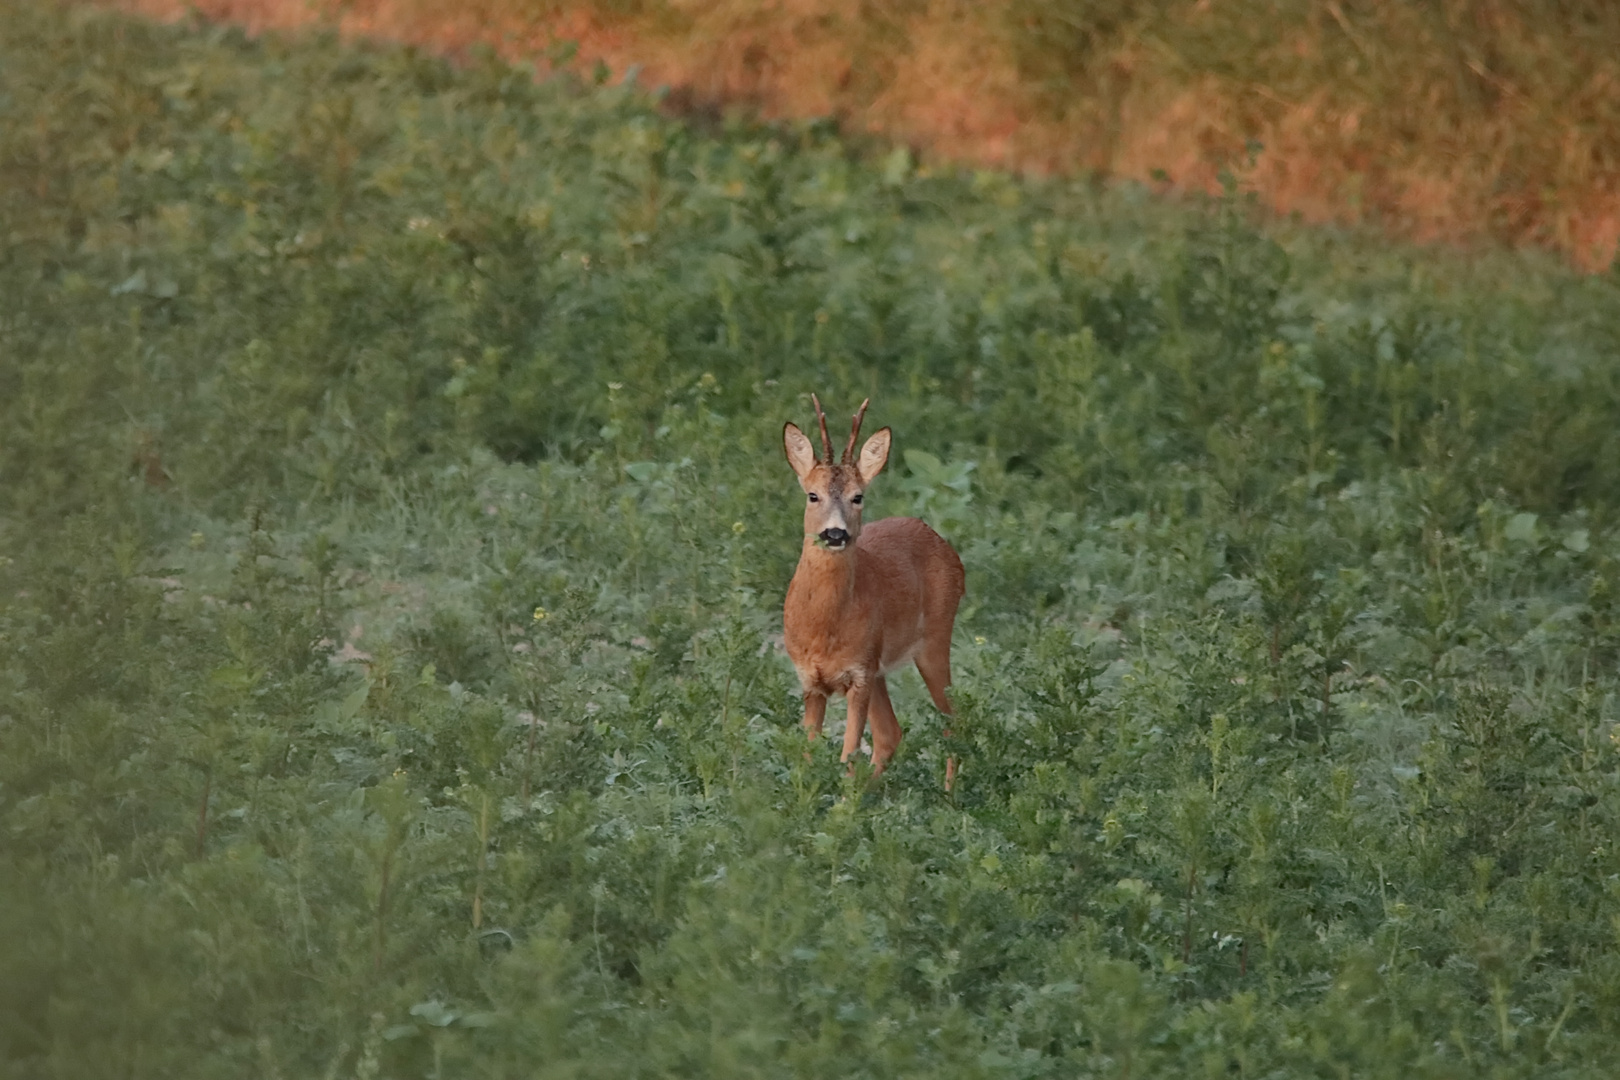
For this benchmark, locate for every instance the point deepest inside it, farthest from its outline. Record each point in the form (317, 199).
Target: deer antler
(826, 443)
(855, 433)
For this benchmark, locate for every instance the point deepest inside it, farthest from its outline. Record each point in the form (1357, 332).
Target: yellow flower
(539, 614)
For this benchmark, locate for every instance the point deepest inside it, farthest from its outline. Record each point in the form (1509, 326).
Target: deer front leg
(815, 711)
(859, 696)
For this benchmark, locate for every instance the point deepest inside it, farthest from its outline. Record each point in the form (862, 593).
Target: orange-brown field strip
(931, 77)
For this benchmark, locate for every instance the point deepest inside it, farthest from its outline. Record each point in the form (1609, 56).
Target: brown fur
(852, 615)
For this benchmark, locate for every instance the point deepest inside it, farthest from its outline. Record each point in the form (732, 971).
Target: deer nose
(834, 538)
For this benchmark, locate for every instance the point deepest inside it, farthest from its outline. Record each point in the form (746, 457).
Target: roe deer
(863, 602)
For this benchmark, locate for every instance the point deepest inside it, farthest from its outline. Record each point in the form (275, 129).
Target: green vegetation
(393, 525)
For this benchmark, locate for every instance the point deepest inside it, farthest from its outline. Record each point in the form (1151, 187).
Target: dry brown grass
(1453, 121)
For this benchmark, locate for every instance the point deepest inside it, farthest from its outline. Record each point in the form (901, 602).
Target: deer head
(833, 492)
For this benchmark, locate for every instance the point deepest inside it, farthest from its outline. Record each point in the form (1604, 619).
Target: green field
(393, 529)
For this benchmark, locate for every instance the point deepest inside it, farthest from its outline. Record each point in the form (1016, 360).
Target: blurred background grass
(1454, 120)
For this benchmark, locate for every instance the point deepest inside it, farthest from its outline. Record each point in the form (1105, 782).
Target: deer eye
(814, 497)
(857, 499)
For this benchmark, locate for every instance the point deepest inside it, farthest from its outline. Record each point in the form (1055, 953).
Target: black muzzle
(835, 539)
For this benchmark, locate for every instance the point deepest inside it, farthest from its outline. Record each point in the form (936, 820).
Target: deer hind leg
(886, 733)
(859, 696)
(934, 665)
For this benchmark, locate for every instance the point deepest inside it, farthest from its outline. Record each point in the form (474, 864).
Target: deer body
(864, 602)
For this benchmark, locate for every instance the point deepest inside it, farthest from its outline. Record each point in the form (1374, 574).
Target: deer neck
(827, 578)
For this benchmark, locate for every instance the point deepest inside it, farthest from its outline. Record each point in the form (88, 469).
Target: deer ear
(875, 454)
(800, 454)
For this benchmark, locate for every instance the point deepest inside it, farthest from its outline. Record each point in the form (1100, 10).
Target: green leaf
(434, 1013)
(353, 703)
(642, 471)
(1521, 528)
(135, 283)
